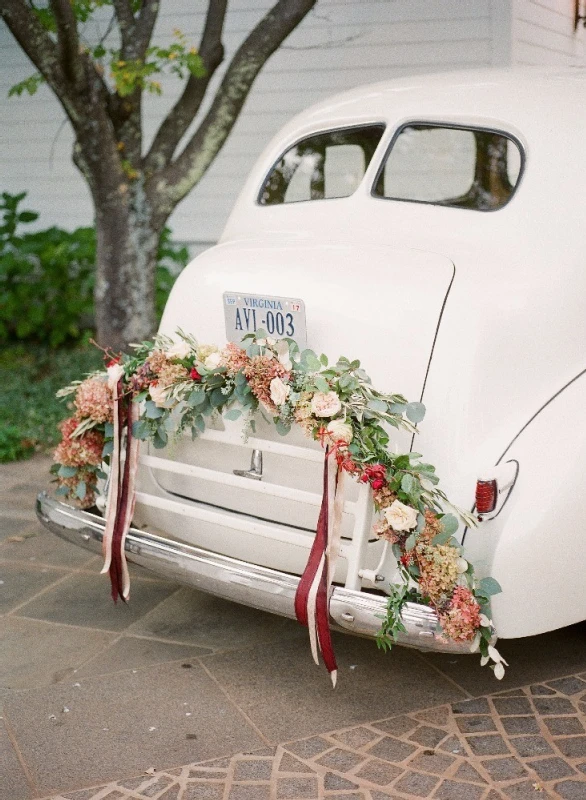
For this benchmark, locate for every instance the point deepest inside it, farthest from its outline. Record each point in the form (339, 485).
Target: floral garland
(174, 385)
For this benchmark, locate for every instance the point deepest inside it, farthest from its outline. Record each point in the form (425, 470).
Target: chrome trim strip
(241, 582)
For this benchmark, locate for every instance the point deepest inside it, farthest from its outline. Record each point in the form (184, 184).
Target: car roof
(516, 95)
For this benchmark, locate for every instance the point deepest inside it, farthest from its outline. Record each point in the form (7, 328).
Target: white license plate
(280, 317)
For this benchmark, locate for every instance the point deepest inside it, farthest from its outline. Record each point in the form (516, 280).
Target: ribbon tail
(132, 456)
(114, 481)
(315, 556)
(117, 557)
(312, 596)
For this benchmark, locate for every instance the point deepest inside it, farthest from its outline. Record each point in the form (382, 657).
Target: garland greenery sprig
(180, 384)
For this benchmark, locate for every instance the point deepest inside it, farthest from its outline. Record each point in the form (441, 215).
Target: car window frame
(452, 126)
(320, 132)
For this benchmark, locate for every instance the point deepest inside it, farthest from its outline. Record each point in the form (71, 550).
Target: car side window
(451, 166)
(321, 167)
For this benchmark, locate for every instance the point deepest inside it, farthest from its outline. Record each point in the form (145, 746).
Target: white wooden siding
(543, 33)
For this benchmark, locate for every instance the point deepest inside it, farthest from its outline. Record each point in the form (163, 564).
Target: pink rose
(325, 404)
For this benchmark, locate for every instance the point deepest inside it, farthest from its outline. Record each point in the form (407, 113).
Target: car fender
(538, 540)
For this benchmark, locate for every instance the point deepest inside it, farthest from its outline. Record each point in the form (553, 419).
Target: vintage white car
(434, 227)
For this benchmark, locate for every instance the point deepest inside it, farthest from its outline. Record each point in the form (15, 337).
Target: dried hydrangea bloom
(157, 361)
(234, 358)
(433, 526)
(172, 373)
(461, 620)
(259, 372)
(93, 399)
(303, 415)
(383, 497)
(80, 451)
(439, 569)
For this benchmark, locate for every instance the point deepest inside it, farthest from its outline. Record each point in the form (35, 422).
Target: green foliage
(28, 85)
(126, 75)
(29, 378)
(392, 623)
(47, 278)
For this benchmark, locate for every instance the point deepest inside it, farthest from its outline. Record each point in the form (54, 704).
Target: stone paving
(103, 701)
(526, 743)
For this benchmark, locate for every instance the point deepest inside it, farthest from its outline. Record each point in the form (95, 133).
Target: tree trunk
(126, 259)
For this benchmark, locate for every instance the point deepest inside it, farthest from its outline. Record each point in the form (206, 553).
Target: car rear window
(323, 166)
(451, 166)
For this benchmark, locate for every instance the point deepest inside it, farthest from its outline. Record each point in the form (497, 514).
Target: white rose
(115, 372)
(213, 361)
(461, 565)
(279, 391)
(325, 404)
(158, 395)
(401, 517)
(179, 350)
(340, 431)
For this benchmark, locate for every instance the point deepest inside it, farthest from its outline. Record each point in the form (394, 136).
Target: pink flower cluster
(260, 371)
(462, 618)
(78, 451)
(93, 399)
(234, 358)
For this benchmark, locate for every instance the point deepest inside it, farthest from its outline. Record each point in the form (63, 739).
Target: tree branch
(68, 41)
(41, 49)
(145, 23)
(173, 182)
(175, 125)
(126, 21)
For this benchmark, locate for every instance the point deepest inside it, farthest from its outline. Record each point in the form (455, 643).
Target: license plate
(280, 317)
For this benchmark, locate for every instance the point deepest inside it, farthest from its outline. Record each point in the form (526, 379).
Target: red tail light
(486, 496)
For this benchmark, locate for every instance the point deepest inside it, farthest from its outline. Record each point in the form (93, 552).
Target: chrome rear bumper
(249, 584)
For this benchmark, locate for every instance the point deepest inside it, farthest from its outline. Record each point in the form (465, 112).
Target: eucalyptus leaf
(196, 398)
(233, 414)
(449, 523)
(321, 384)
(108, 430)
(81, 490)
(282, 428)
(217, 398)
(108, 448)
(377, 405)
(67, 472)
(313, 363)
(441, 538)
(407, 483)
(140, 429)
(158, 441)
(410, 542)
(489, 587)
(199, 423)
(152, 410)
(415, 412)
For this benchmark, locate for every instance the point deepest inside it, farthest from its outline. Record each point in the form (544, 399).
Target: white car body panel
(378, 277)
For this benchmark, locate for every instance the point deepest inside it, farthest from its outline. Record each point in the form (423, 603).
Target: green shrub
(47, 278)
(30, 375)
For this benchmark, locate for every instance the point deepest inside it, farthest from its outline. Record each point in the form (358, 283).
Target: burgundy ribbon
(121, 496)
(116, 565)
(315, 577)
